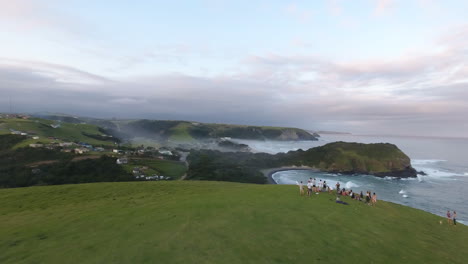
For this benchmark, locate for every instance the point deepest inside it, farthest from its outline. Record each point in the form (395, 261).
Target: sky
(391, 67)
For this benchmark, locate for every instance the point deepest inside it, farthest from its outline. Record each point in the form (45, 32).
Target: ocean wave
(436, 173)
(425, 161)
(350, 185)
(408, 179)
(402, 192)
(405, 196)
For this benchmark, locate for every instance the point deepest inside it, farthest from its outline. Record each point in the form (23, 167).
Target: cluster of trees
(211, 166)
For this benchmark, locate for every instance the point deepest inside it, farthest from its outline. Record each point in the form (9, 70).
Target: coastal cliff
(381, 159)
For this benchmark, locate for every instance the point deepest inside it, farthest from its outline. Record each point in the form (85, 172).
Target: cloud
(300, 14)
(34, 15)
(335, 7)
(382, 7)
(411, 94)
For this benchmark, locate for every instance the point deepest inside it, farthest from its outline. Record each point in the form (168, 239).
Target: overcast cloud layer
(422, 90)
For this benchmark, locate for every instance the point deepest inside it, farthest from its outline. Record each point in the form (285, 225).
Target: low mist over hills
(186, 131)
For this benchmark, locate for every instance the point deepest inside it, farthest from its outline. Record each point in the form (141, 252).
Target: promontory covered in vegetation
(380, 159)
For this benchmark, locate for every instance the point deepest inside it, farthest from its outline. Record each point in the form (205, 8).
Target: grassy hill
(214, 222)
(188, 132)
(65, 132)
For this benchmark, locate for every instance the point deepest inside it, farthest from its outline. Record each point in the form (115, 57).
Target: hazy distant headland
(188, 131)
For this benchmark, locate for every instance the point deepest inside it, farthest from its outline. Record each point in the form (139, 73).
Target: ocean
(444, 160)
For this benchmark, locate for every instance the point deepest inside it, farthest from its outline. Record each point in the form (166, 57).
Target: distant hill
(49, 130)
(189, 131)
(185, 131)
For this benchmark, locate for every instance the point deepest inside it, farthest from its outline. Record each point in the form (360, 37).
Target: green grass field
(170, 168)
(42, 128)
(181, 133)
(214, 222)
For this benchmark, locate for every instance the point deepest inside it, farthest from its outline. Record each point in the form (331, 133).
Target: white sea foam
(405, 196)
(465, 174)
(425, 161)
(390, 178)
(350, 185)
(437, 173)
(407, 179)
(432, 170)
(402, 192)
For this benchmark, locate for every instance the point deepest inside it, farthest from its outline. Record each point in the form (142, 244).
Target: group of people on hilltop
(370, 198)
(452, 218)
(314, 186)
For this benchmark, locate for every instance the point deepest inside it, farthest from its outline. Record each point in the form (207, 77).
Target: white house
(66, 144)
(165, 152)
(122, 161)
(81, 150)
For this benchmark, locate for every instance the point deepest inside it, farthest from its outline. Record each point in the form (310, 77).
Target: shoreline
(268, 173)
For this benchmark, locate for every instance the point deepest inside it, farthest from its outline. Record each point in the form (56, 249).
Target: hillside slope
(190, 131)
(59, 131)
(214, 222)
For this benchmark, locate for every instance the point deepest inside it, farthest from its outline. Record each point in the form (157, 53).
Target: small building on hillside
(165, 152)
(122, 160)
(36, 145)
(81, 150)
(66, 144)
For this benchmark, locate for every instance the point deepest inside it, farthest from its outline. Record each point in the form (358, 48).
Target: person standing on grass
(374, 199)
(337, 186)
(301, 188)
(449, 218)
(309, 188)
(454, 218)
(313, 184)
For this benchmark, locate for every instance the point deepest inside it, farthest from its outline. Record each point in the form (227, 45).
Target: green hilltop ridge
(47, 131)
(185, 131)
(381, 159)
(190, 131)
(215, 222)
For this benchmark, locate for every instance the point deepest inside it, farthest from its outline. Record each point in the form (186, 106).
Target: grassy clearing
(170, 168)
(214, 222)
(66, 132)
(181, 133)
